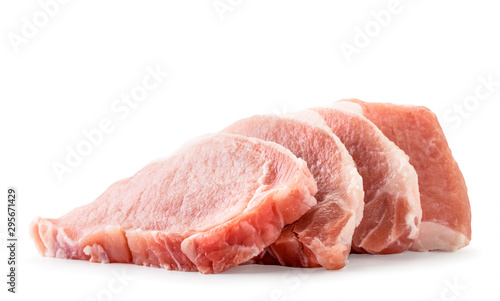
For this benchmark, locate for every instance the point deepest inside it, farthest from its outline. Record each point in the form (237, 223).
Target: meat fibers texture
(392, 211)
(215, 203)
(446, 213)
(322, 236)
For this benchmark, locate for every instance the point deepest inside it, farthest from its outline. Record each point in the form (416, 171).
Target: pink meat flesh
(215, 203)
(321, 237)
(392, 210)
(446, 214)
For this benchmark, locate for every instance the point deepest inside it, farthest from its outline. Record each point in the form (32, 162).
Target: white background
(261, 57)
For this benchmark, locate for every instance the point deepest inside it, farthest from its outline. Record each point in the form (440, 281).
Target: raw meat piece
(446, 215)
(215, 203)
(322, 236)
(392, 210)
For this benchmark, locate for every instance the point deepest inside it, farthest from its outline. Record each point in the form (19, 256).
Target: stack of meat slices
(302, 190)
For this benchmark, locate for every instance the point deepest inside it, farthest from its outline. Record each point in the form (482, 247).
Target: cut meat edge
(311, 241)
(295, 241)
(203, 249)
(400, 166)
(113, 244)
(267, 212)
(455, 226)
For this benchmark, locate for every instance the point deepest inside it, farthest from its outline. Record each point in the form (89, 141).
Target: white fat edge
(356, 184)
(96, 252)
(404, 167)
(199, 139)
(356, 211)
(353, 189)
(405, 173)
(410, 221)
(314, 118)
(262, 188)
(311, 117)
(187, 144)
(53, 238)
(278, 147)
(414, 201)
(355, 109)
(347, 106)
(347, 232)
(62, 240)
(435, 236)
(300, 166)
(412, 191)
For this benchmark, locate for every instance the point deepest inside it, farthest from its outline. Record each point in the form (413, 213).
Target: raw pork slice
(215, 203)
(392, 210)
(321, 237)
(446, 215)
